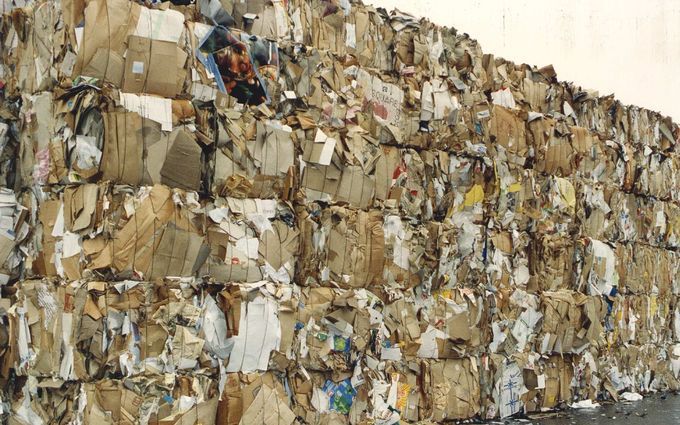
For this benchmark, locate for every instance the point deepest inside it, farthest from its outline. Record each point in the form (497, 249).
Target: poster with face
(243, 64)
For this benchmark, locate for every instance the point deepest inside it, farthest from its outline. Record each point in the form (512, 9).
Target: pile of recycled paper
(318, 212)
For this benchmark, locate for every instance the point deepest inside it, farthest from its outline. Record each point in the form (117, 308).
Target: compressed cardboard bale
(333, 324)
(669, 271)
(647, 220)
(676, 166)
(34, 152)
(455, 388)
(509, 260)
(594, 164)
(461, 253)
(404, 327)
(511, 305)
(586, 379)
(155, 237)
(638, 267)
(594, 210)
(103, 56)
(342, 245)
(9, 152)
(662, 233)
(548, 380)
(246, 169)
(508, 130)
(388, 223)
(250, 239)
(508, 380)
(558, 377)
(438, 104)
(31, 65)
(535, 93)
(661, 175)
(597, 274)
(551, 262)
(571, 322)
(557, 202)
(14, 234)
(123, 300)
(555, 153)
(408, 262)
(453, 329)
(349, 184)
(436, 181)
(153, 66)
(97, 142)
(463, 183)
(625, 227)
(673, 265)
(517, 200)
(635, 367)
(400, 179)
(68, 221)
(643, 319)
(353, 169)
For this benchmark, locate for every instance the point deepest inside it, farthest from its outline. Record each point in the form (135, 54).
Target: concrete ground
(654, 409)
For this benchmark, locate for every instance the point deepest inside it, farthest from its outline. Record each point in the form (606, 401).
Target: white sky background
(627, 47)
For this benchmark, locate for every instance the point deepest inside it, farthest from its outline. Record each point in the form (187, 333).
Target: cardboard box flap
(182, 166)
(151, 66)
(122, 159)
